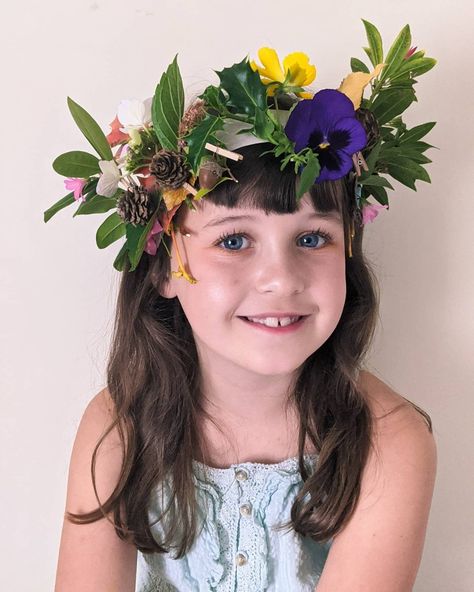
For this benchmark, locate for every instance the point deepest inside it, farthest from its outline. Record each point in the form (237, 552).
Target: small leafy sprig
(400, 151)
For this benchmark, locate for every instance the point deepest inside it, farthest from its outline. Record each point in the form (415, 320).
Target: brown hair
(153, 377)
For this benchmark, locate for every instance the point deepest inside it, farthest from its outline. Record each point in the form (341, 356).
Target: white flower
(109, 180)
(134, 114)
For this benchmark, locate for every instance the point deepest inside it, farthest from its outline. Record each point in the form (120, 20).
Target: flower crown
(161, 149)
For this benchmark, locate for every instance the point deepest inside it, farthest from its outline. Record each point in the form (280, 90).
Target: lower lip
(288, 329)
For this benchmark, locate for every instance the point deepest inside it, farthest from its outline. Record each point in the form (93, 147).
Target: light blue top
(237, 550)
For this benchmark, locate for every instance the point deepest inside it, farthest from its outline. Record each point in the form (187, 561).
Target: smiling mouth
(294, 322)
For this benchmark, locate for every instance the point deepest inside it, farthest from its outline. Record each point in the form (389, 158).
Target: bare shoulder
(388, 526)
(390, 410)
(91, 555)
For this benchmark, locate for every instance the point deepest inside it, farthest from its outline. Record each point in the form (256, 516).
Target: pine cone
(169, 168)
(192, 117)
(371, 126)
(136, 206)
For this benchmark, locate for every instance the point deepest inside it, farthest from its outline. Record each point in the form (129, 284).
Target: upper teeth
(273, 321)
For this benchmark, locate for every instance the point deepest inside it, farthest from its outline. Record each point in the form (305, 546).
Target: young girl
(240, 444)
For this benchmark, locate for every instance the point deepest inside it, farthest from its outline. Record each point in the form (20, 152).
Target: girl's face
(275, 263)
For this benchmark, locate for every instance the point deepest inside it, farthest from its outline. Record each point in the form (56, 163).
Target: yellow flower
(353, 85)
(301, 72)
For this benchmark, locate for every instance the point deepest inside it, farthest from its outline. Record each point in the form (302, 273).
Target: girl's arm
(380, 548)
(91, 556)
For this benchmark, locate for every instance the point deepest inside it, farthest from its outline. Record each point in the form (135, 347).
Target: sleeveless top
(236, 550)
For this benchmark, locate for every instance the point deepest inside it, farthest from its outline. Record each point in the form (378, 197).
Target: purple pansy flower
(327, 124)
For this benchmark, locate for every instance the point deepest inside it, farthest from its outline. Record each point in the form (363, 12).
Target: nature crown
(166, 154)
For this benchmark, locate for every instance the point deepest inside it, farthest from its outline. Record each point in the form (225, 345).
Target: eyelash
(325, 235)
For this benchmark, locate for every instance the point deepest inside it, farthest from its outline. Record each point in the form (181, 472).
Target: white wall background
(57, 288)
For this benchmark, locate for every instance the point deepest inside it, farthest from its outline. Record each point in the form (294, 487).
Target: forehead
(210, 215)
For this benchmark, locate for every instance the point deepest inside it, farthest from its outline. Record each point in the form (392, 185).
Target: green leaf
(168, 106)
(96, 204)
(380, 194)
(396, 53)
(136, 239)
(111, 229)
(76, 164)
(375, 42)
(214, 98)
(309, 174)
(59, 205)
(358, 66)
(197, 138)
(406, 152)
(245, 90)
(390, 103)
(375, 181)
(264, 126)
(414, 67)
(371, 160)
(121, 256)
(204, 190)
(370, 54)
(406, 171)
(417, 132)
(91, 130)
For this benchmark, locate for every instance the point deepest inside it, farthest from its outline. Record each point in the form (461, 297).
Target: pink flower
(371, 211)
(410, 52)
(76, 185)
(151, 246)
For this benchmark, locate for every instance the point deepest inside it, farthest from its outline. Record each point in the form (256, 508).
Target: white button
(240, 559)
(241, 474)
(246, 509)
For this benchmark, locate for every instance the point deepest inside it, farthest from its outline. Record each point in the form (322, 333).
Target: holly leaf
(168, 106)
(245, 90)
(198, 136)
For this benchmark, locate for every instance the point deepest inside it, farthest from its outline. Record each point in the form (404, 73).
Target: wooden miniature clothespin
(358, 160)
(223, 151)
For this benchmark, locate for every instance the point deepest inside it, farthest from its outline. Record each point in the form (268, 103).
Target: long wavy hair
(153, 378)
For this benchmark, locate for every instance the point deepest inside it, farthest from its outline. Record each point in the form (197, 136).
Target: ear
(167, 288)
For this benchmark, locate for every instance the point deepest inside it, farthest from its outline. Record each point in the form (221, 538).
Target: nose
(278, 271)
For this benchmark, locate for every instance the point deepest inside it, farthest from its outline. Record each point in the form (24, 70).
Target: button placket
(245, 510)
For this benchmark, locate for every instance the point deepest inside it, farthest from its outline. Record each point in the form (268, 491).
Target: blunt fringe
(153, 380)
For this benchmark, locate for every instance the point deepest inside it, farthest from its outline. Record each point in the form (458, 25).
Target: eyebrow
(331, 215)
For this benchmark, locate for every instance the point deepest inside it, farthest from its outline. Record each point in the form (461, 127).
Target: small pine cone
(136, 206)
(371, 126)
(169, 168)
(192, 117)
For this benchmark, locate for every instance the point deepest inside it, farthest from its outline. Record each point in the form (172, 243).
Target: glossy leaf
(417, 132)
(76, 164)
(375, 42)
(136, 239)
(309, 174)
(119, 261)
(168, 106)
(91, 130)
(245, 90)
(359, 66)
(111, 229)
(199, 136)
(397, 53)
(96, 204)
(67, 200)
(390, 103)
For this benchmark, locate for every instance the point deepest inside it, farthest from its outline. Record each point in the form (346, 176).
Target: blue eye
(232, 237)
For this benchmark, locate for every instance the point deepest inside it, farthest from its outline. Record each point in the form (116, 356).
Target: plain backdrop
(58, 288)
